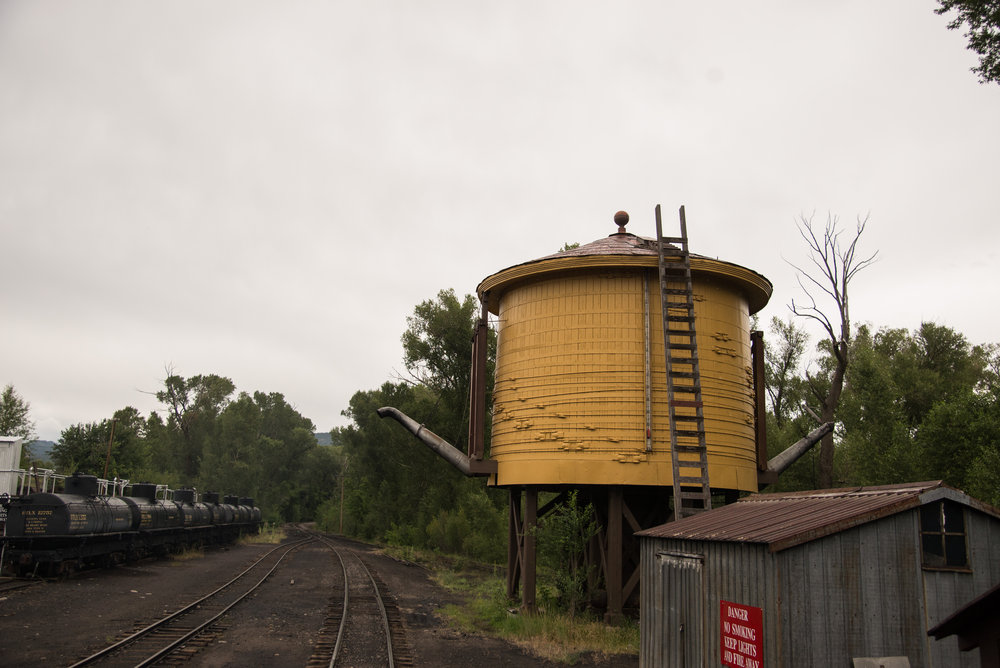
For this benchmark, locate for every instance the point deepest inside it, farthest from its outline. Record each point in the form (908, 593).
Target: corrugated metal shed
(784, 520)
(834, 575)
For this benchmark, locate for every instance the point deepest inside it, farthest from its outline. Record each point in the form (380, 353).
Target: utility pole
(107, 458)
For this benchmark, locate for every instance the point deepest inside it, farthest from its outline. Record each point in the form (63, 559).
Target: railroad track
(165, 637)
(363, 625)
(11, 584)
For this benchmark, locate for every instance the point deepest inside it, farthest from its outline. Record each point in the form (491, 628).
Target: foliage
(563, 536)
(263, 448)
(193, 405)
(110, 448)
(397, 490)
(982, 21)
(920, 405)
(785, 387)
(15, 418)
(916, 407)
(255, 446)
(551, 634)
(437, 344)
(959, 442)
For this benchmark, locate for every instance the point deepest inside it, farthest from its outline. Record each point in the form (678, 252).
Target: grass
(188, 554)
(269, 533)
(549, 633)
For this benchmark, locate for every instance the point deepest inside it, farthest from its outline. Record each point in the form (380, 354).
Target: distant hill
(323, 438)
(42, 450)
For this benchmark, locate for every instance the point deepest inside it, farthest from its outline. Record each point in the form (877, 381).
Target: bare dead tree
(834, 266)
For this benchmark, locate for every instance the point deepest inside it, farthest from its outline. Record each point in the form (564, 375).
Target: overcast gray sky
(265, 190)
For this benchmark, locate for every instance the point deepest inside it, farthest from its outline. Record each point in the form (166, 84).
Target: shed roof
(784, 520)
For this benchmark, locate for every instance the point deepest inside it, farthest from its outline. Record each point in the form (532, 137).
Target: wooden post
(477, 389)
(513, 542)
(760, 408)
(613, 571)
(528, 555)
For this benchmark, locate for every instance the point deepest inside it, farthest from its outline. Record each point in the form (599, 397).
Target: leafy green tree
(437, 345)
(915, 407)
(787, 392)
(782, 377)
(959, 442)
(393, 479)
(877, 445)
(193, 405)
(982, 21)
(258, 447)
(90, 448)
(161, 446)
(15, 415)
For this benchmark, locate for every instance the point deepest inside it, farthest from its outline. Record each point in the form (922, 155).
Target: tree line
(917, 405)
(209, 437)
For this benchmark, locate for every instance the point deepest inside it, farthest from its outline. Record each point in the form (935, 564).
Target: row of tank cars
(48, 533)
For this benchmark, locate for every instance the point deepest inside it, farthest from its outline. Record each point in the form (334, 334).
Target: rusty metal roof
(784, 520)
(621, 243)
(616, 251)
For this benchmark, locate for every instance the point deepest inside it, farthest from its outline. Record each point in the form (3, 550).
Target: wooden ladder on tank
(688, 452)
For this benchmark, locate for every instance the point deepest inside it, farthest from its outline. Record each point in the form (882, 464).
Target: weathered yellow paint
(569, 399)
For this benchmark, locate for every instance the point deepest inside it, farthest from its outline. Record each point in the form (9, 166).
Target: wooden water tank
(572, 373)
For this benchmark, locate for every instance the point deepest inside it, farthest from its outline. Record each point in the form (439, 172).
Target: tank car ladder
(688, 452)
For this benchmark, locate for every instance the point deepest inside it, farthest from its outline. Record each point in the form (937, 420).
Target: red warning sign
(742, 630)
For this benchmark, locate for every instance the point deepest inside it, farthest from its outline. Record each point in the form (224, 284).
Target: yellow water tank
(580, 357)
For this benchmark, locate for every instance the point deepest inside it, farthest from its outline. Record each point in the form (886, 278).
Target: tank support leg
(613, 572)
(513, 542)
(528, 554)
(521, 546)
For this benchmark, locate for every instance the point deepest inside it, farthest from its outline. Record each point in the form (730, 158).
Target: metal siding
(946, 591)
(652, 602)
(852, 594)
(741, 573)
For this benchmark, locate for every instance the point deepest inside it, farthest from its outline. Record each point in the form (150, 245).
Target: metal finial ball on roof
(621, 220)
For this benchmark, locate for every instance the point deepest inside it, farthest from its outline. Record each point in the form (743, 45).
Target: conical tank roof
(621, 249)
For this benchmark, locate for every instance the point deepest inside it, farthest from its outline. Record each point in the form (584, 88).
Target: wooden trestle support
(612, 556)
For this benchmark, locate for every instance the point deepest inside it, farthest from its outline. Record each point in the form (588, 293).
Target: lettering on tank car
(36, 520)
(77, 520)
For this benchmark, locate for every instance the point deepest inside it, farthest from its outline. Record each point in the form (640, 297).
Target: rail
(149, 645)
(358, 618)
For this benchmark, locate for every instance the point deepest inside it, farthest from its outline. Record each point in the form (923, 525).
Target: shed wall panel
(855, 592)
(736, 572)
(946, 591)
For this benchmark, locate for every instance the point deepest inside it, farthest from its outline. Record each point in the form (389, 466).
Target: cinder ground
(57, 623)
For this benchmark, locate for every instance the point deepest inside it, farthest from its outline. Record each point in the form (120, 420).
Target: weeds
(269, 533)
(553, 632)
(188, 553)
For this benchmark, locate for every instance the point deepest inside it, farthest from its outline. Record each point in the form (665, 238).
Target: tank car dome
(580, 341)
